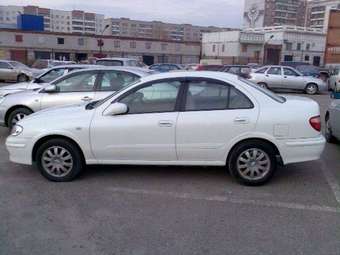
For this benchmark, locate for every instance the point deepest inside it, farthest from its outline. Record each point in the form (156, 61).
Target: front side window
(262, 70)
(83, 82)
(116, 80)
(289, 72)
(4, 65)
(158, 97)
(274, 71)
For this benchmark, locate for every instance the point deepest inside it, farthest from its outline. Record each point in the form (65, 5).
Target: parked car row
(16, 71)
(129, 115)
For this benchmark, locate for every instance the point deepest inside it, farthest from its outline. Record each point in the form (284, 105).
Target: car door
(146, 133)
(292, 80)
(335, 118)
(7, 72)
(113, 80)
(73, 89)
(273, 77)
(214, 114)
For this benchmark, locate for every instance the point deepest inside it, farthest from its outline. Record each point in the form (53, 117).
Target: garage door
(19, 55)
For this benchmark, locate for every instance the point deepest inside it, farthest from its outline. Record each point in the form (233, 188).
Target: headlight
(17, 130)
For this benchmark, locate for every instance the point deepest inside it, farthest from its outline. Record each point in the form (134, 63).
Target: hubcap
(19, 116)
(57, 161)
(311, 89)
(253, 164)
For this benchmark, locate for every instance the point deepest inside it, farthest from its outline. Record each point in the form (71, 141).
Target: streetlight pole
(264, 49)
(100, 41)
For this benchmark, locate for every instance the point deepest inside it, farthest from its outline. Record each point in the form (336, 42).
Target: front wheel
(329, 133)
(22, 78)
(17, 115)
(59, 160)
(263, 85)
(253, 163)
(311, 89)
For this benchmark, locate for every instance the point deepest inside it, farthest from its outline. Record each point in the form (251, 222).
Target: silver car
(15, 71)
(39, 82)
(288, 78)
(74, 88)
(334, 78)
(333, 121)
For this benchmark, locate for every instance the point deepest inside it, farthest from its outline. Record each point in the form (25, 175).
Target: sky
(223, 13)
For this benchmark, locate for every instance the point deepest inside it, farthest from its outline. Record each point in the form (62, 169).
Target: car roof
(192, 74)
(72, 66)
(135, 70)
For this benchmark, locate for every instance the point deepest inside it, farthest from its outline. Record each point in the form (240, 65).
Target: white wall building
(8, 15)
(318, 13)
(296, 43)
(233, 47)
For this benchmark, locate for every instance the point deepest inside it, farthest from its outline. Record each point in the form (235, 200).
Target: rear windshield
(109, 63)
(267, 92)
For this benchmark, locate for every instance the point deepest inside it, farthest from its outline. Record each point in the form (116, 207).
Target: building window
(116, 44)
(308, 46)
(214, 48)
(288, 58)
(223, 48)
(178, 47)
(148, 45)
(298, 46)
(289, 46)
(18, 38)
(164, 46)
(306, 58)
(244, 47)
(60, 40)
(81, 41)
(133, 45)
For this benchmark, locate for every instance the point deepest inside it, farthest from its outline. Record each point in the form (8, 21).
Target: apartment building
(157, 30)
(263, 13)
(318, 13)
(55, 20)
(27, 46)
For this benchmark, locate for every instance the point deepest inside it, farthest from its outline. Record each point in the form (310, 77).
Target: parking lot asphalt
(171, 210)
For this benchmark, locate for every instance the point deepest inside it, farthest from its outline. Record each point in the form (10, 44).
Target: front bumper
(302, 150)
(2, 116)
(20, 150)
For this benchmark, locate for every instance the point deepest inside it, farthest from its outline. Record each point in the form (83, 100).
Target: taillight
(315, 122)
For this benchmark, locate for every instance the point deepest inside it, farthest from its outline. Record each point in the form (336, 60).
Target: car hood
(25, 87)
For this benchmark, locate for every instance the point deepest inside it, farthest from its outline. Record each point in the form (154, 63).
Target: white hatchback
(189, 118)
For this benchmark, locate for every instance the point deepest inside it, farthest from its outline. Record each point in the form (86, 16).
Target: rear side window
(109, 63)
(208, 95)
(116, 80)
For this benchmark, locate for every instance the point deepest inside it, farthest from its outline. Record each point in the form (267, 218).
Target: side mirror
(51, 89)
(116, 109)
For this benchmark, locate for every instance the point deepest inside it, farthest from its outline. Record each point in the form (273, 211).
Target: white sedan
(182, 118)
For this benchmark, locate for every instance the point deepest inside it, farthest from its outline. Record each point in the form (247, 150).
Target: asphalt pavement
(171, 210)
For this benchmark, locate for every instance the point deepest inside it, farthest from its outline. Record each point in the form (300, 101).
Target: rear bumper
(302, 150)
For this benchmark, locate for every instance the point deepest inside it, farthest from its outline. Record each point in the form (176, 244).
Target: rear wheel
(59, 160)
(311, 89)
(253, 163)
(17, 115)
(22, 78)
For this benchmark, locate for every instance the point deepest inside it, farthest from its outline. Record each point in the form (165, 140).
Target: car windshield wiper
(91, 106)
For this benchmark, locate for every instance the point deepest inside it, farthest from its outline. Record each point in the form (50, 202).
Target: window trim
(219, 82)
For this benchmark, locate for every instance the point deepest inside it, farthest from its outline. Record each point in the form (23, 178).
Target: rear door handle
(165, 123)
(86, 99)
(241, 120)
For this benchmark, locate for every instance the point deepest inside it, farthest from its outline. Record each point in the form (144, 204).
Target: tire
(59, 160)
(251, 170)
(311, 89)
(263, 85)
(17, 115)
(328, 133)
(22, 78)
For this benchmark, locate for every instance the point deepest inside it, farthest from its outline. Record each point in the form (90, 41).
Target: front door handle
(165, 123)
(86, 99)
(241, 120)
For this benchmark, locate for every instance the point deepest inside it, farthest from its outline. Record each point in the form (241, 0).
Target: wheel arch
(256, 139)
(44, 139)
(13, 108)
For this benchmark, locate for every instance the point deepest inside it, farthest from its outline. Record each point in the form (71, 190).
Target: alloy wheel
(19, 116)
(253, 164)
(57, 161)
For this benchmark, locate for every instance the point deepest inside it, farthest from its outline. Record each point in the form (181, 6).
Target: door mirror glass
(116, 109)
(51, 89)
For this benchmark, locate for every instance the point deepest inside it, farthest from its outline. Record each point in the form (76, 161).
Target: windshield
(267, 92)
(95, 104)
(18, 64)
